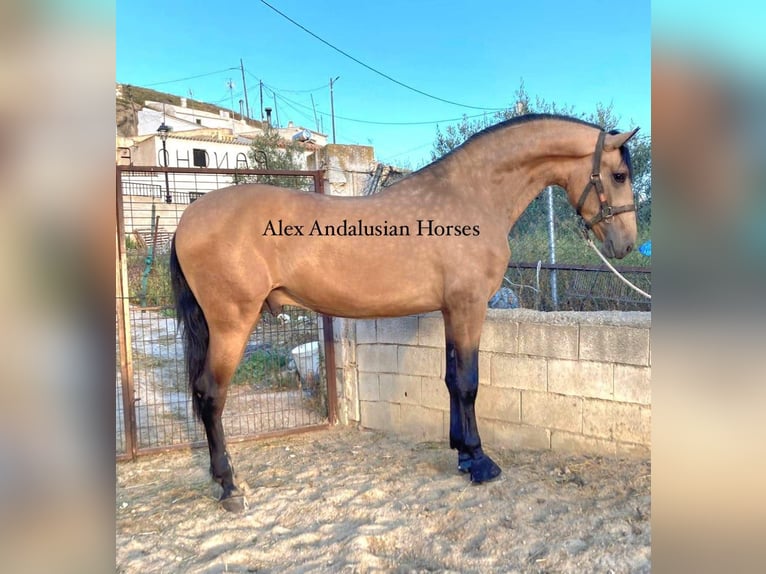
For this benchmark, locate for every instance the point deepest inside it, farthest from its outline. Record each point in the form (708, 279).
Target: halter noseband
(606, 211)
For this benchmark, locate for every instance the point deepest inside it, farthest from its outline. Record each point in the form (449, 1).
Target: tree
(270, 151)
(641, 157)
(454, 135)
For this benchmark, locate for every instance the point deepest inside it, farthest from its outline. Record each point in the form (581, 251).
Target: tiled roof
(210, 138)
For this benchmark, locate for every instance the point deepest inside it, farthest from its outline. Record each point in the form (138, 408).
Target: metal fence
(281, 385)
(572, 287)
(552, 267)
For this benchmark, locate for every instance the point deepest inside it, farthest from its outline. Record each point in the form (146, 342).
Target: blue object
(505, 298)
(646, 248)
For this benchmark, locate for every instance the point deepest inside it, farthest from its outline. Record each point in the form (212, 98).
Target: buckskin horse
(435, 240)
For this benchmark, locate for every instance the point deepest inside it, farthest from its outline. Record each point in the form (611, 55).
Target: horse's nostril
(629, 248)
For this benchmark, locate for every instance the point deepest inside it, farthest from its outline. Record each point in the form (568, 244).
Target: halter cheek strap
(606, 211)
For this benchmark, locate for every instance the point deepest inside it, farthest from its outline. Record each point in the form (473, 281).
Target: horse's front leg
(471, 456)
(462, 378)
(456, 439)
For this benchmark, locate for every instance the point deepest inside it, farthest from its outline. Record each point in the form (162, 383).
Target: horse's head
(606, 201)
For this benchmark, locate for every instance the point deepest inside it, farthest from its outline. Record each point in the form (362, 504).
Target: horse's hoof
(484, 469)
(234, 503)
(464, 462)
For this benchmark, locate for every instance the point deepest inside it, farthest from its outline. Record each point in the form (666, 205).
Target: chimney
(268, 117)
(183, 102)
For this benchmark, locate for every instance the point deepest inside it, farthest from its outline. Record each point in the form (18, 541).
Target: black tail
(193, 325)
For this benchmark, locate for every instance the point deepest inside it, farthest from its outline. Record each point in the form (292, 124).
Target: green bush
(262, 368)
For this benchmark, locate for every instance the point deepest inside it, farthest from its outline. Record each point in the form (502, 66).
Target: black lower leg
(471, 457)
(221, 468)
(456, 440)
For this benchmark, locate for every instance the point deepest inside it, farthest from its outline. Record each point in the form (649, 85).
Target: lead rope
(628, 283)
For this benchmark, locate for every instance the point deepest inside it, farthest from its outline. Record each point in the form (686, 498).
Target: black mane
(530, 118)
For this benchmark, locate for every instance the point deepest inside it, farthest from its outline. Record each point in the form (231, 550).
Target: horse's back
(361, 256)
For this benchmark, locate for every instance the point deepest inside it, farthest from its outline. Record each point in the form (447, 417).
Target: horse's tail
(192, 322)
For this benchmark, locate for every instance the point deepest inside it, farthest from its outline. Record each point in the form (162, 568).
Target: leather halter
(606, 211)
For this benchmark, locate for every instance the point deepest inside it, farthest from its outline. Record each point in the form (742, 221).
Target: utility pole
(260, 83)
(332, 106)
(230, 85)
(552, 247)
(244, 87)
(276, 109)
(313, 105)
(191, 97)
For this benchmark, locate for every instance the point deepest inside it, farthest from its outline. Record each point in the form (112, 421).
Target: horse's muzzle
(616, 249)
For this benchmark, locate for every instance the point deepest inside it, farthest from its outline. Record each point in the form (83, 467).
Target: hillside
(134, 97)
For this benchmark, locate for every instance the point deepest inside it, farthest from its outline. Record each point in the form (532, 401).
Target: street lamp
(163, 131)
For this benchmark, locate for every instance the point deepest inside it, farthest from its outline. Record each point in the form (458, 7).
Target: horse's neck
(511, 168)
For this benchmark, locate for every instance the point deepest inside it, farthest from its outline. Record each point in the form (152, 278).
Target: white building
(198, 138)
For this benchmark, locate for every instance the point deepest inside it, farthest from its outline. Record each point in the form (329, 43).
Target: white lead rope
(628, 283)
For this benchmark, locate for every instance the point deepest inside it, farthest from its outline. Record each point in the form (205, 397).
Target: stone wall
(576, 382)
(347, 168)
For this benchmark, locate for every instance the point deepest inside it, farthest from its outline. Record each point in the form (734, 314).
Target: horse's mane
(522, 120)
(530, 118)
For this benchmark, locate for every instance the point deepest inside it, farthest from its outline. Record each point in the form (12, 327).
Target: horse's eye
(619, 177)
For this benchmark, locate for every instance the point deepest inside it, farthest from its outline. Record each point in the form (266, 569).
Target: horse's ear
(612, 142)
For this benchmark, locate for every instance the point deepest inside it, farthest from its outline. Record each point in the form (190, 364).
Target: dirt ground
(345, 500)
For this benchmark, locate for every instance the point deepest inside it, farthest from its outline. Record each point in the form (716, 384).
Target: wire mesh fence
(280, 384)
(552, 267)
(563, 287)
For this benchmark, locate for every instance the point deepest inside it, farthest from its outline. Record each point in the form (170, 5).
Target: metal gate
(285, 382)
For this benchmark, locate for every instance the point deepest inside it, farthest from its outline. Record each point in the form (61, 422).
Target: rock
(505, 298)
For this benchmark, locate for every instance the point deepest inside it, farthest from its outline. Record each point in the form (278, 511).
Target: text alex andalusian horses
(436, 240)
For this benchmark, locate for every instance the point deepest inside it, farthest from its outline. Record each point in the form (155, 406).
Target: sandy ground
(345, 500)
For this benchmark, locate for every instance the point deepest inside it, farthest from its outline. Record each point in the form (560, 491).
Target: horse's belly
(346, 297)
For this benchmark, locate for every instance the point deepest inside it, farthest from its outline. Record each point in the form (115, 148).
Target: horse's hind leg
(462, 327)
(218, 293)
(224, 353)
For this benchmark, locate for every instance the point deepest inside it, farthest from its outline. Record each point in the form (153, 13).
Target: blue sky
(472, 53)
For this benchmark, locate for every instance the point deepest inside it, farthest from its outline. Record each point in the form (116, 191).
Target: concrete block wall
(347, 168)
(577, 382)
